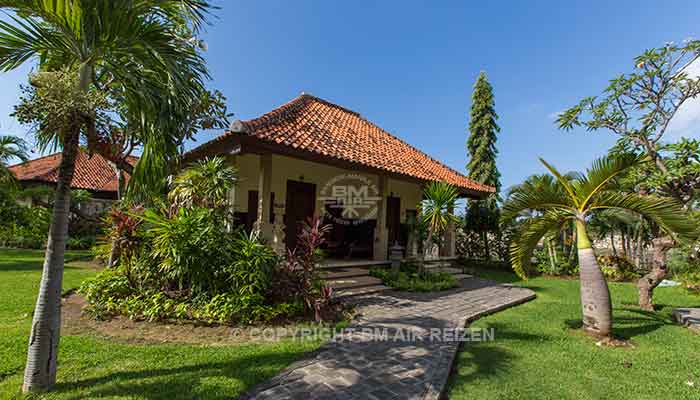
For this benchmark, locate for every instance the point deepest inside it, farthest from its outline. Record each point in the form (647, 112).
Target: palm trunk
(113, 252)
(552, 265)
(40, 372)
(595, 295)
(42, 355)
(612, 243)
(650, 281)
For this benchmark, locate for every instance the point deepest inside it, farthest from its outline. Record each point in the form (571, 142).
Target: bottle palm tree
(140, 52)
(559, 199)
(437, 211)
(10, 147)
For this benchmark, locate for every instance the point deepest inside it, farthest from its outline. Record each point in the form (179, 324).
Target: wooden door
(300, 205)
(393, 219)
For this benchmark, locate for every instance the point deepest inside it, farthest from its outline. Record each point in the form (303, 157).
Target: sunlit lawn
(535, 354)
(92, 367)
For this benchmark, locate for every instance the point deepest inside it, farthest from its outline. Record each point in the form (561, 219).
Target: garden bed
(125, 330)
(409, 279)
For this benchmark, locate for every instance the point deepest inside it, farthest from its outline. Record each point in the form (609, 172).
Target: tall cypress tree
(482, 215)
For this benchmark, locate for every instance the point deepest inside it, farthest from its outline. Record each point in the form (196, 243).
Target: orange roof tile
(91, 172)
(318, 126)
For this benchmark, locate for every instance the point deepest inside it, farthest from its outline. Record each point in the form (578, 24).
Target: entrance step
(449, 270)
(347, 293)
(353, 282)
(344, 272)
(334, 264)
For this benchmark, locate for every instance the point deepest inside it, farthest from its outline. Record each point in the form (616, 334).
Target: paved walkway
(367, 362)
(689, 317)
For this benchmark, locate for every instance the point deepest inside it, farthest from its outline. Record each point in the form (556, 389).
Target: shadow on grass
(639, 323)
(487, 360)
(204, 380)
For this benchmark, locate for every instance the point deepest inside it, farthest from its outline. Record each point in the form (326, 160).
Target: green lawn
(91, 367)
(535, 355)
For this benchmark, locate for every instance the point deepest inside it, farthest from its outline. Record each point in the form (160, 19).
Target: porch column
(450, 237)
(381, 233)
(231, 207)
(262, 225)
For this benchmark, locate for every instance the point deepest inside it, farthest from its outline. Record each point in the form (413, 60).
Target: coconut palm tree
(10, 147)
(437, 211)
(140, 52)
(558, 200)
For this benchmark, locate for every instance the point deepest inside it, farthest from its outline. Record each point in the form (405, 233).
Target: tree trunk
(595, 295)
(552, 265)
(650, 281)
(40, 371)
(113, 252)
(487, 252)
(612, 244)
(428, 248)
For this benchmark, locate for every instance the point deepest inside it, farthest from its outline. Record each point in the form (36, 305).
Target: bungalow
(311, 157)
(92, 173)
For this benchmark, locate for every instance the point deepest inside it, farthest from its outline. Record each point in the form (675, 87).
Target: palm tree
(559, 199)
(10, 147)
(207, 183)
(139, 52)
(437, 211)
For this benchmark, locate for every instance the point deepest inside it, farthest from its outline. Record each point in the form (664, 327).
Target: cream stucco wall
(287, 168)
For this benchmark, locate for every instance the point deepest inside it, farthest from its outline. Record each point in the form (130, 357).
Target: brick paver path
(367, 361)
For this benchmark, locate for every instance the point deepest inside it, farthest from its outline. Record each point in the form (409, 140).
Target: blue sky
(410, 66)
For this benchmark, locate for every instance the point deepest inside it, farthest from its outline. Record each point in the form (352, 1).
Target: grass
(538, 353)
(91, 367)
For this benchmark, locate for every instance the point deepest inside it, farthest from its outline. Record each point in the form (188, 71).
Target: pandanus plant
(558, 200)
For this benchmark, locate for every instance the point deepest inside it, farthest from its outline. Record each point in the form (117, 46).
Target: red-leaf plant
(302, 262)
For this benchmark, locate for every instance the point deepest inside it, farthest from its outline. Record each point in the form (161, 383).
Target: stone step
(459, 277)
(335, 264)
(346, 293)
(354, 282)
(439, 264)
(344, 272)
(449, 270)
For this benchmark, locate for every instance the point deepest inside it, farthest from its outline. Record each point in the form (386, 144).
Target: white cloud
(686, 122)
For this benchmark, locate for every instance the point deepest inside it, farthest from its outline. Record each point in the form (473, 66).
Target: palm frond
(667, 213)
(12, 147)
(564, 181)
(523, 243)
(436, 207)
(601, 175)
(538, 192)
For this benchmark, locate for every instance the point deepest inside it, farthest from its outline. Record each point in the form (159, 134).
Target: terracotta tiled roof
(91, 173)
(318, 126)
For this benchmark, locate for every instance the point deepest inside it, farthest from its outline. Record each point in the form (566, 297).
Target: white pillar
(450, 237)
(262, 225)
(381, 233)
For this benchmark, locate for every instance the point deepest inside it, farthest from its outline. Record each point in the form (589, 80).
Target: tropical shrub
(683, 260)
(410, 279)
(618, 268)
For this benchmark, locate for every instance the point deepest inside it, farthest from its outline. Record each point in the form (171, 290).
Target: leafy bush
(409, 279)
(185, 261)
(617, 268)
(690, 280)
(683, 260)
